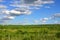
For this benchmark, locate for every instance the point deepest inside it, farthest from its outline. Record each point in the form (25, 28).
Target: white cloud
(17, 12)
(47, 2)
(8, 18)
(1, 0)
(22, 7)
(1, 21)
(27, 12)
(44, 20)
(36, 21)
(41, 21)
(11, 14)
(5, 11)
(57, 15)
(47, 7)
(29, 3)
(55, 18)
(2, 7)
(57, 22)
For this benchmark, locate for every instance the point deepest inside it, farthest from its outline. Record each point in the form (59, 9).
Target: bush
(58, 35)
(26, 39)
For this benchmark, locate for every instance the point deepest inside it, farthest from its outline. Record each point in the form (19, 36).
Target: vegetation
(30, 32)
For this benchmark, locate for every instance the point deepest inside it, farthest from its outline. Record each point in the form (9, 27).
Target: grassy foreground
(30, 32)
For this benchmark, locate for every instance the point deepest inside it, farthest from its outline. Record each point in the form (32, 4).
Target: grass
(30, 32)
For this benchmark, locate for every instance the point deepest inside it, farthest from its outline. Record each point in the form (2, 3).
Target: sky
(26, 12)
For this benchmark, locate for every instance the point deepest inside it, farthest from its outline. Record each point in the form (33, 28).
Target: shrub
(58, 35)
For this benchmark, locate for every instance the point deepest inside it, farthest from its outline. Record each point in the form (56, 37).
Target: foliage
(30, 32)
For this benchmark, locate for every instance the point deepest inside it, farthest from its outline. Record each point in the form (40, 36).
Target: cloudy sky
(29, 12)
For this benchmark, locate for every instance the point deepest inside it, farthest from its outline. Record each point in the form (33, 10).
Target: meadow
(30, 32)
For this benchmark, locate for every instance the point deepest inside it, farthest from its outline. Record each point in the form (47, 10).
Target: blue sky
(44, 13)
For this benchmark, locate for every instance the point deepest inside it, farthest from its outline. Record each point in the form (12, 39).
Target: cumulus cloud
(57, 22)
(29, 3)
(57, 15)
(44, 20)
(38, 2)
(55, 18)
(47, 7)
(22, 7)
(2, 7)
(1, 21)
(11, 14)
(24, 11)
(48, 2)
(1, 0)
(17, 12)
(5, 11)
(14, 13)
(36, 21)
(7, 18)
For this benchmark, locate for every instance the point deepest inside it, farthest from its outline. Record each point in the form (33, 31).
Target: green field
(30, 32)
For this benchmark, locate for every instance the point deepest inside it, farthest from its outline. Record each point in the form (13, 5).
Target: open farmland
(30, 32)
